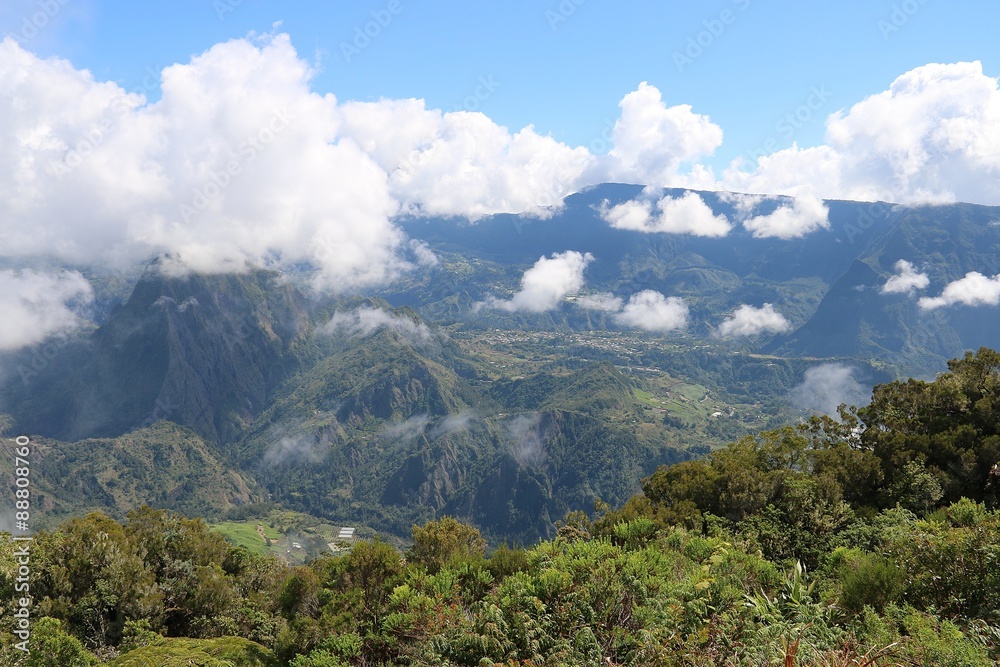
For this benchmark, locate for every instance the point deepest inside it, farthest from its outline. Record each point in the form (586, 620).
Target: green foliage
(220, 652)
(443, 542)
(51, 646)
(868, 580)
(769, 551)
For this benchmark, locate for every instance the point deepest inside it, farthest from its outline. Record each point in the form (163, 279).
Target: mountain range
(217, 394)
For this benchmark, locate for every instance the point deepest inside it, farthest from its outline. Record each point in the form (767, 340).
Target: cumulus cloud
(462, 163)
(687, 214)
(906, 280)
(795, 219)
(932, 136)
(974, 289)
(241, 163)
(653, 141)
(603, 301)
(651, 311)
(825, 387)
(547, 283)
(238, 163)
(750, 321)
(35, 306)
(366, 321)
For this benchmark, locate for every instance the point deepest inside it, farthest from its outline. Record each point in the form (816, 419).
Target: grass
(244, 534)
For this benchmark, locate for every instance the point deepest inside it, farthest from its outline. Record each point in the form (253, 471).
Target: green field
(244, 534)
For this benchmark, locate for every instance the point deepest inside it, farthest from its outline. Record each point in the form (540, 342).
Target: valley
(434, 395)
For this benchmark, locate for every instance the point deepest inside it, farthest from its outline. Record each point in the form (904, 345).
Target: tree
(94, 578)
(439, 543)
(51, 646)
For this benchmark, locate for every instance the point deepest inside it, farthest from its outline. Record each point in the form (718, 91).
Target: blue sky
(562, 67)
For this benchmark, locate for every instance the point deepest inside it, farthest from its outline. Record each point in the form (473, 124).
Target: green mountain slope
(164, 466)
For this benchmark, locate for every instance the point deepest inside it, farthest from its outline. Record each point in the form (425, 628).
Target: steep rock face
(855, 318)
(202, 351)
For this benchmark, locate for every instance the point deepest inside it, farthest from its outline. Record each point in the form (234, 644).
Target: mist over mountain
(828, 283)
(530, 366)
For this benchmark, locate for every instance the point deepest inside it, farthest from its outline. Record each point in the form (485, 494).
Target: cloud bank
(366, 321)
(803, 215)
(687, 214)
(35, 306)
(242, 163)
(603, 301)
(932, 136)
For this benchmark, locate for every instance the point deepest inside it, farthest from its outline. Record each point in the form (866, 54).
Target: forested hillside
(869, 540)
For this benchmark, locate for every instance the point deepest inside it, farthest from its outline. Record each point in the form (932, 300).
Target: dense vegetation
(870, 540)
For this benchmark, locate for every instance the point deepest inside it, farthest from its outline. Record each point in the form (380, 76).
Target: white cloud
(789, 221)
(527, 439)
(652, 311)
(296, 448)
(687, 214)
(652, 141)
(35, 306)
(547, 283)
(406, 430)
(750, 321)
(825, 387)
(604, 301)
(239, 162)
(633, 214)
(462, 163)
(453, 423)
(366, 321)
(906, 280)
(932, 136)
(743, 203)
(974, 289)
